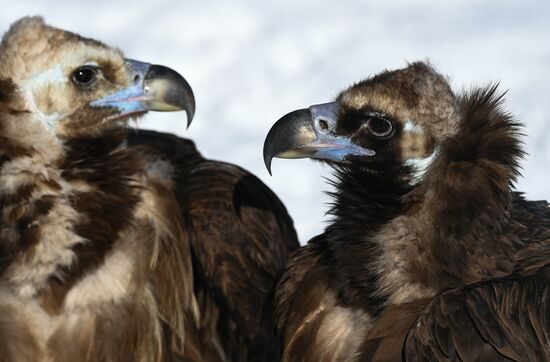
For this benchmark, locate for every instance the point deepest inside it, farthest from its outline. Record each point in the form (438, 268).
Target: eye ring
(379, 127)
(85, 75)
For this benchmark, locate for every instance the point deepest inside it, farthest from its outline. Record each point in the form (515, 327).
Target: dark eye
(85, 76)
(379, 126)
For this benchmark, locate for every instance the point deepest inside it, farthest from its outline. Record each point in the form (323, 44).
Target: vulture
(118, 244)
(430, 254)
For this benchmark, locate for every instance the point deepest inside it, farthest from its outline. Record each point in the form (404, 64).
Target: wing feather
(240, 235)
(494, 321)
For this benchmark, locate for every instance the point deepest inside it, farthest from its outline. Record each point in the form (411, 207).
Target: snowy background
(250, 62)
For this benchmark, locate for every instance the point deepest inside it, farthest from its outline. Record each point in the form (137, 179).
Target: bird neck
(366, 199)
(94, 147)
(364, 202)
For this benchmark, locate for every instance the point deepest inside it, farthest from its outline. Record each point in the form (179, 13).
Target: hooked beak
(152, 88)
(310, 133)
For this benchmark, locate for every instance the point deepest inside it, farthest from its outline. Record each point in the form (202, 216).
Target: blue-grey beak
(310, 133)
(152, 88)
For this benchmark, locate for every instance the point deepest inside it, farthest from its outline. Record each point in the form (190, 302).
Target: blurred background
(250, 62)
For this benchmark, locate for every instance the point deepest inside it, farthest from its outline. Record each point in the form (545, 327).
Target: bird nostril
(323, 124)
(137, 78)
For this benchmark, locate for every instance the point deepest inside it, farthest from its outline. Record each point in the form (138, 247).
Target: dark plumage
(240, 238)
(117, 244)
(430, 254)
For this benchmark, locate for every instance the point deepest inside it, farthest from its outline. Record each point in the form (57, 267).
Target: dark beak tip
(267, 162)
(187, 98)
(281, 136)
(268, 157)
(190, 115)
(174, 89)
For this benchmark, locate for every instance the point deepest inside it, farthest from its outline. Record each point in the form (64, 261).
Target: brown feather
(240, 236)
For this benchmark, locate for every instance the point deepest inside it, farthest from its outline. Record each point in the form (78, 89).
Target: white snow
(250, 62)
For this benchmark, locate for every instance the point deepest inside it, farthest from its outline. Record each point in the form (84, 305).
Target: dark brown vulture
(116, 244)
(429, 255)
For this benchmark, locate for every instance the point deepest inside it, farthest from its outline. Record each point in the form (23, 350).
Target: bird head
(58, 83)
(394, 119)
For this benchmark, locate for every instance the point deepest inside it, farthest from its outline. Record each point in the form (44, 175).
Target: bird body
(117, 244)
(429, 255)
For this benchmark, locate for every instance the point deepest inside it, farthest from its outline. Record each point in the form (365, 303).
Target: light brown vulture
(117, 244)
(430, 254)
